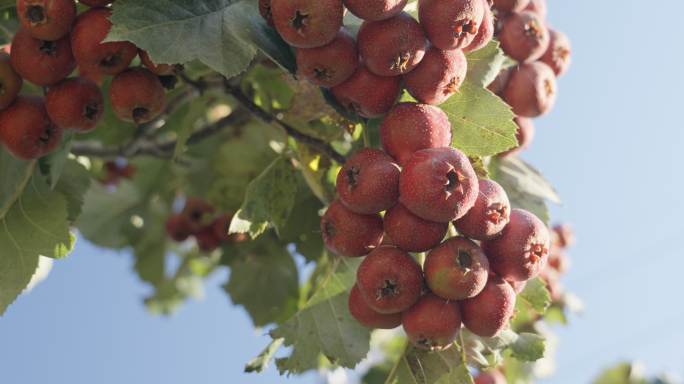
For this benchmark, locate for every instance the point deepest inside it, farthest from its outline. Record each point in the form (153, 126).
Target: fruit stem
(452, 230)
(421, 258)
(399, 359)
(366, 135)
(460, 335)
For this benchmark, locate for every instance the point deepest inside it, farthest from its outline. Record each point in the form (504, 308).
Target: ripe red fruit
(411, 127)
(374, 10)
(566, 235)
(369, 181)
(488, 217)
(95, 3)
(559, 260)
(438, 184)
(76, 104)
(438, 76)
(367, 316)
(46, 19)
(524, 37)
(390, 280)
(26, 130)
(107, 59)
(195, 212)
(207, 241)
(160, 69)
(350, 234)
(43, 63)
(509, 6)
(137, 95)
(178, 228)
(557, 56)
(524, 135)
(492, 376)
(393, 46)
(485, 31)
(539, 7)
(517, 286)
(265, 11)
(488, 313)
(499, 84)
(531, 90)
(331, 64)
(410, 232)
(10, 81)
(521, 251)
(451, 24)
(307, 23)
(367, 94)
(457, 269)
(432, 323)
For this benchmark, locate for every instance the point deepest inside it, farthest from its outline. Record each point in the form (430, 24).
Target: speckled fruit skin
(557, 55)
(137, 95)
(524, 37)
(438, 76)
(160, 69)
(43, 63)
(438, 184)
(492, 376)
(457, 269)
(369, 181)
(10, 81)
(177, 228)
(488, 217)
(367, 316)
(539, 7)
(265, 11)
(499, 84)
(485, 31)
(488, 313)
(331, 64)
(521, 251)
(194, 212)
(76, 104)
(26, 130)
(350, 234)
(510, 6)
(410, 232)
(523, 136)
(106, 59)
(390, 279)
(531, 90)
(367, 94)
(307, 23)
(207, 241)
(392, 46)
(450, 24)
(51, 23)
(410, 127)
(374, 10)
(517, 286)
(432, 323)
(95, 3)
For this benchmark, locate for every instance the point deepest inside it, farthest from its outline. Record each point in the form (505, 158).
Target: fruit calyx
(139, 113)
(469, 27)
(111, 61)
(91, 111)
(388, 287)
(299, 21)
(498, 212)
(548, 86)
(532, 29)
(401, 61)
(47, 135)
(267, 13)
(35, 13)
(465, 260)
(352, 175)
(453, 182)
(453, 86)
(321, 74)
(49, 47)
(538, 251)
(429, 344)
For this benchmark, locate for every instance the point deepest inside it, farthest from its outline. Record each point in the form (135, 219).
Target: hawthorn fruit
(524, 37)
(137, 95)
(367, 94)
(367, 316)
(488, 313)
(410, 232)
(451, 24)
(331, 64)
(40, 62)
(26, 130)
(457, 269)
(76, 104)
(485, 31)
(348, 233)
(438, 76)
(46, 19)
(490, 214)
(178, 228)
(10, 81)
(307, 23)
(432, 323)
(531, 90)
(557, 56)
(374, 10)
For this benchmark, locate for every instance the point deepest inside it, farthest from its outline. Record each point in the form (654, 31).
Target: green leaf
(419, 366)
(198, 108)
(225, 35)
(73, 185)
(524, 347)
(270, 198)
(304, 226)
(622, 373)
(33, 222)
(352, 23)
(324, 325)
(151, 244)
(9, 21)
(536, 295)
(260, 362)
(52, 164)
(265, 281)
(484, 64)
(524, 185)
(479, 167)
(315, 166)
(482, 123)
(14, 174)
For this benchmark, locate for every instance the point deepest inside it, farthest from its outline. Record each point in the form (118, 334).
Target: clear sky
(612, 148)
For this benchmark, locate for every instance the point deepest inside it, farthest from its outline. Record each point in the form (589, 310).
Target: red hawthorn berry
(10, 81)
(451, 24)
(331, 64)
(488, 313)
(485, 31)
(524, 37)
(490, 214)
(438, 76)
(566, 235)
(43, 63)
(367, 94)
(207, 241)
(517, 286)
(539, 7)
(433, 322)
(265, 11)
(523, 136)
(531, 90)
(26, 130)
(350, 234)
(557, 56)
(76, 104)
(46, 19)
(178, 228)
(307, 23)
(410, 232)
(195, 212)
(457, 269)
(137, 95)
(374, 10)
(367, 316)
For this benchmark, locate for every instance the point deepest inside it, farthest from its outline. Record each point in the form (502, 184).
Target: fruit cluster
(543, 54)
(197, 219)
(50, 44)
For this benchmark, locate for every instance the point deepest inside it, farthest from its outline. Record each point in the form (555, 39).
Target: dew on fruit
(35, 14)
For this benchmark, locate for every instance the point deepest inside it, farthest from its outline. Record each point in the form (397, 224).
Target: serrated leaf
(536, 295)
(265, 281)
(225, 35)
(269, 199)
(324, 325)
(479, 167)
(419, 366)
(51, 165)
(481, 122)
(524, 347)
(484, 64)
(304, 225)
(33, 222)
(73, 185)
(260, 362)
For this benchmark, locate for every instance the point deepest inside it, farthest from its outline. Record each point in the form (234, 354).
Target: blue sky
(612, 149)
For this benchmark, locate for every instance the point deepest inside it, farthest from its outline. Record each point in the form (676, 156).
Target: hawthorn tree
(255, 150)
